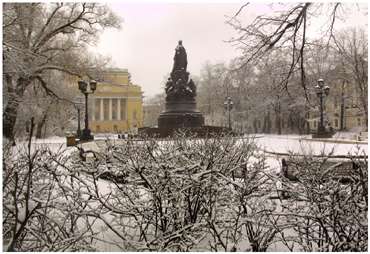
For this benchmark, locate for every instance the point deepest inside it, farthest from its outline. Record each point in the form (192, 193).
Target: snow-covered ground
(278, 144)
(305, 145)
(275, 145)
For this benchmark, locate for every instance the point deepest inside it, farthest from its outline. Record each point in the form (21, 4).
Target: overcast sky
(150, 31)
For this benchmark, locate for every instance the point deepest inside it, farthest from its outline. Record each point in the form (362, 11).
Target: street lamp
(321, 92)
(228, 104)
(82, 85)
(78, 106)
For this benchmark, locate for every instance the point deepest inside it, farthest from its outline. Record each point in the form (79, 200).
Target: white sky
(150, 31)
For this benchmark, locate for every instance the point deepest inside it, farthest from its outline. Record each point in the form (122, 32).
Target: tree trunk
(301, 125)
(40, 125)
(268, 122)
(255, 126)
(342, 108)
(278, 123)
(308, 129)
(278, 117)
(14, 98)
(364, 107)
(264, 127)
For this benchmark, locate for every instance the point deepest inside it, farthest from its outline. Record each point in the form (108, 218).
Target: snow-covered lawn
(297, 144)
(269, 142)
(304, 145)
(279, 144)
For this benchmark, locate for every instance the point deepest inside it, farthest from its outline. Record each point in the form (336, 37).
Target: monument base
(180, 114)
(323, 135)
(171, 120)
(198, 132)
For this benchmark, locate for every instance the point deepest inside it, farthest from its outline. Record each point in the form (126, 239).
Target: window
(359, 121)
(314, 124)
(123, 109)
(106, 109)
(114, 109)
(336, 123)
(97, 110)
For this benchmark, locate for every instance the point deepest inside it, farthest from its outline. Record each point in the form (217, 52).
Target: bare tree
(289, 27)
(352, 46)
(39, 38)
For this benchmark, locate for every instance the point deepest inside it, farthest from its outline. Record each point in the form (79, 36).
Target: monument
(180, 108)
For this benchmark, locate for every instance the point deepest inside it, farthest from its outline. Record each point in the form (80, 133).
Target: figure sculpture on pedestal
(180, 58)
(179, 85)
(180, 109)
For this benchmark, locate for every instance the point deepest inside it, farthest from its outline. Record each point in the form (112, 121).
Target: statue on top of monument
(180, 58)
(179, 85)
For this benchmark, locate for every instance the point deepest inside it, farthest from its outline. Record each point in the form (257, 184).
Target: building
(116, 105)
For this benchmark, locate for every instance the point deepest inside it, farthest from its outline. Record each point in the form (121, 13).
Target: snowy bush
(42, 206)
(184, 194)
(324, 213)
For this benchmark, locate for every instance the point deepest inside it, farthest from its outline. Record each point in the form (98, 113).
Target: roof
(115, 70)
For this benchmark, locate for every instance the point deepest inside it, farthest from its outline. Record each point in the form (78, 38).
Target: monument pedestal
(180, 114)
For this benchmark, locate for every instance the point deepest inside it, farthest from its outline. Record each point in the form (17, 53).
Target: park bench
(343, 170)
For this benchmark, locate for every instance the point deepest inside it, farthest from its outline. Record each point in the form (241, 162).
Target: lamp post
(82, 85)
(228, 104)
(321, 92)
(78, 104)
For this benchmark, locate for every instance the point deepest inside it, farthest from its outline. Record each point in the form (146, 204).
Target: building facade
(342, 110)
(116, 105)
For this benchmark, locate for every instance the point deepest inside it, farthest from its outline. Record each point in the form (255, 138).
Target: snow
(297, 144)
(273, 144)
(304, 145)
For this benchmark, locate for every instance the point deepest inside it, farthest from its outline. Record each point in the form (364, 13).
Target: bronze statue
(180, 58)
(179, 85)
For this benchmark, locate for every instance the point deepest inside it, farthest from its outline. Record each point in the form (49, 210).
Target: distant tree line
(265, 101)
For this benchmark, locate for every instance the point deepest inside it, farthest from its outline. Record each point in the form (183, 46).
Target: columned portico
(113, 112)
(115, 102)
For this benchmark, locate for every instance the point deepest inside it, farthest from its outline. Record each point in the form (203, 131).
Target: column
(93, 108)
(118, 108)
(101, 110)
(110, 109)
